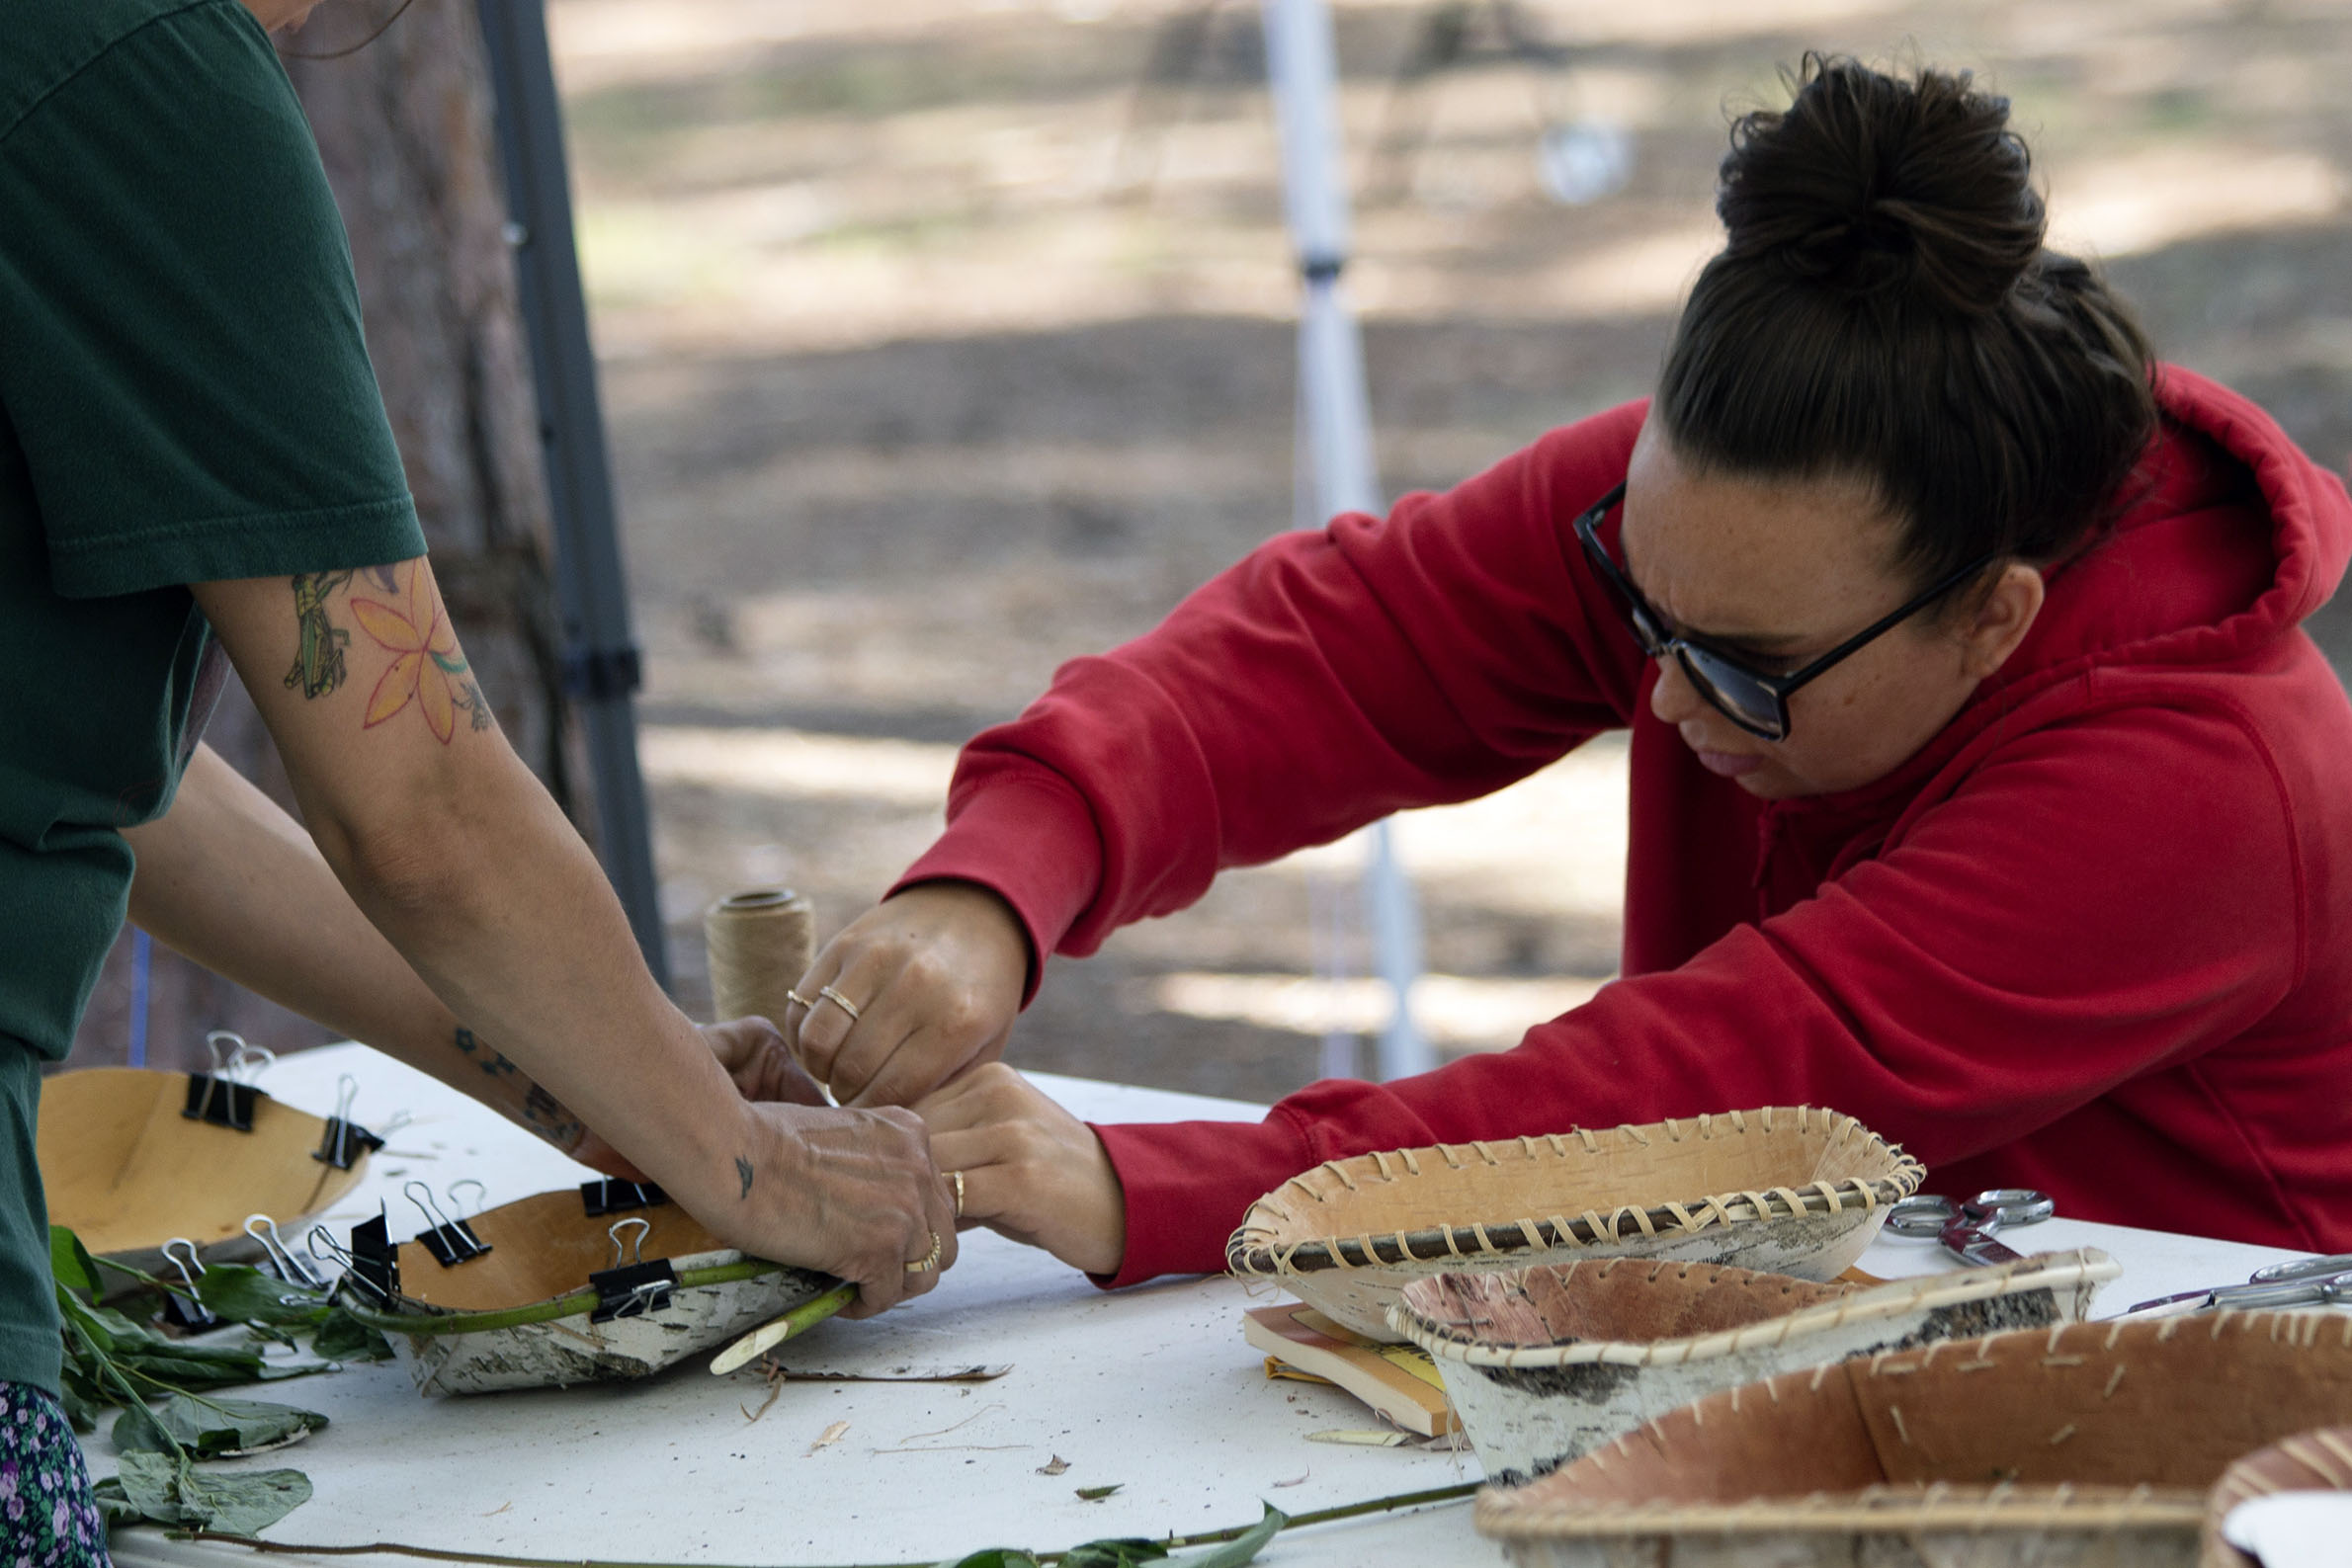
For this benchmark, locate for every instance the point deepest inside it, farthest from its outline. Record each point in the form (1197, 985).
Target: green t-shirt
(184, 397)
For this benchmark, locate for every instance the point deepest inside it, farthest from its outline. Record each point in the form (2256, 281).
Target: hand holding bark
(853, 1193)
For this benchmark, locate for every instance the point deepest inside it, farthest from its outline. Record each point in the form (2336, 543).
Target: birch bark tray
(544, 1304)
(1544, 1363)
(2089, 1446)
(126, 1170)
(1792, 1189)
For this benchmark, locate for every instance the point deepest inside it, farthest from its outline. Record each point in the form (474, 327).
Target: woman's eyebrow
(1767, 643)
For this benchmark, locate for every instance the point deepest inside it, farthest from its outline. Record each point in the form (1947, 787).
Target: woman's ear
(2003, 616)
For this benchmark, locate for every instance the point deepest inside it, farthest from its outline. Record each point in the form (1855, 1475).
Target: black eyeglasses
(1754, 700)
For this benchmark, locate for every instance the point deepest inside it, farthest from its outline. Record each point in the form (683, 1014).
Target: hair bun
(1872, 184)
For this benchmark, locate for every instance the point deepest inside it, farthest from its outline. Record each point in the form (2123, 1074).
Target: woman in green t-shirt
(194, 461)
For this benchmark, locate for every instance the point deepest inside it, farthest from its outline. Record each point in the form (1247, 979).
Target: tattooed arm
(233, 882)
(452, 851)
(230, 881)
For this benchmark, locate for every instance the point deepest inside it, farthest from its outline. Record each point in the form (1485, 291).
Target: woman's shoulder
(52, 42)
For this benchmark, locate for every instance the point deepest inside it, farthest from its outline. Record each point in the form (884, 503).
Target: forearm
(231, 882)
(456, 853)
(488, 895)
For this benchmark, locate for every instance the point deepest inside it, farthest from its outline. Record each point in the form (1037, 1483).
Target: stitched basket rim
(1534, 1513)
(2050, 1271)
(1254, 1249)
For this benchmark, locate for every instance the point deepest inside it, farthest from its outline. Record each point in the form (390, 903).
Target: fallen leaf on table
(1128, 1551)
(1095, 1494)
(1361, 1438)
(832, 1434)
(1055, 1466)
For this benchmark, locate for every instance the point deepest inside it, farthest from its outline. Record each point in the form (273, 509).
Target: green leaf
(994, 1557)
(243, 1502)
(1125, 1552)
(83, 1400)
(245, 1294)
(149, 1485)
(215, 1429)
(1243, 1549)
(90, 1323)
(1095, 1494)
(70, 1262)
(344, 1338)
(112, 1507)
(136, 1431)
(168, 1491)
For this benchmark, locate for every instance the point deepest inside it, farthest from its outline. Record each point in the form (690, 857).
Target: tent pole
(1302, 71)
(600, 654)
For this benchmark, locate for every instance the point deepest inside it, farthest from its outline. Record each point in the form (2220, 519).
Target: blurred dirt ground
(943, 342)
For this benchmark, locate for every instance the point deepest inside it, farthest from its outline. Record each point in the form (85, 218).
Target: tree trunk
(405, 130)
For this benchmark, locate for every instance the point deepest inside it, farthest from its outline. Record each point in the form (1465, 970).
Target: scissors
(1965, 1228)
(2303, 1282)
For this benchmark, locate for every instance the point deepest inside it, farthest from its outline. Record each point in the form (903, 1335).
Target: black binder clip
(374, 1264)
(344, 1140)
(221, 1096)
(284, 1264)
(635, 1288)
(613, 1196)
(186, 1310)
(449, 1241)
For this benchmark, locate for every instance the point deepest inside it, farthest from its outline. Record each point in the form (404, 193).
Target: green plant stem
(1324, 1515)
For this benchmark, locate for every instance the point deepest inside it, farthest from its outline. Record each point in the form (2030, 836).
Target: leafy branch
(111, 1362)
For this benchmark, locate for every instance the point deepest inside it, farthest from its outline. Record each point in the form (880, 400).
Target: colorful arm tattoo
(428, 667)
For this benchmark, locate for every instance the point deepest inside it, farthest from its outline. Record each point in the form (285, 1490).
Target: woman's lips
(1729, 764)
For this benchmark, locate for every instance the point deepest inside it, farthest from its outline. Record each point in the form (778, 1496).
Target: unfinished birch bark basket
(126, 1168)
(1544, 1363)
(530, 1294)
(2089, 1446)
(1791, 1189)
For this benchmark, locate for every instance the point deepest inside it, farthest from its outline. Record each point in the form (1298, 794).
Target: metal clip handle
(449, 1241)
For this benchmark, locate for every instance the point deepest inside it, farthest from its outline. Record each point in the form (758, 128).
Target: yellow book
(1400, 1381)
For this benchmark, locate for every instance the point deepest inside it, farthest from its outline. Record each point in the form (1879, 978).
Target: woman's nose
(1673, 699)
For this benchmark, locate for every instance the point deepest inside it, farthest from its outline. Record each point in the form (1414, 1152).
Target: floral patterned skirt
(47, 1516)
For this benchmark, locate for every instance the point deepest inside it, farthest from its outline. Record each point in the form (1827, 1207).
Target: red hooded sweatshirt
(2096, 938)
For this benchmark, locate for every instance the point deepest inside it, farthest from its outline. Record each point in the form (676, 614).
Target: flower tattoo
(429, 669)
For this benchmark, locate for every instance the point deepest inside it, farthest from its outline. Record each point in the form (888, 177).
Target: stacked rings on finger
(930, 1260)
(827, 993)
(955, 1181)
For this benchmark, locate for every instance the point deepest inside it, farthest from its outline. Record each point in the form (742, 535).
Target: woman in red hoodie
(1983, 785)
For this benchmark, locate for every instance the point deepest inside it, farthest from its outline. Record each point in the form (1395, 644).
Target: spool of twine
(761, 943)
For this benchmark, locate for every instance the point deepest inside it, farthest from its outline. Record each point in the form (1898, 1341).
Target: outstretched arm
(452, 850)
(1329, 678)
(229, 879)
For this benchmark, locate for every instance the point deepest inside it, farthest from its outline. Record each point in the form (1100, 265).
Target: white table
(1152, 1389)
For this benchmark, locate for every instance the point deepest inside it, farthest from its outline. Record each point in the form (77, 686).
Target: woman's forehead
(1753, 559)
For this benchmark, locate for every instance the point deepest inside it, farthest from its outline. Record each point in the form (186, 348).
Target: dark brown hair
(1885, 308)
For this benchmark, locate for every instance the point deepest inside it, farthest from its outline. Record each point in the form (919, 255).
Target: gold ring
(791, 995)
(930, 1260)
(956, 1180)
(827, 993)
